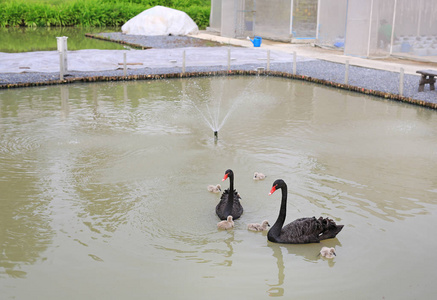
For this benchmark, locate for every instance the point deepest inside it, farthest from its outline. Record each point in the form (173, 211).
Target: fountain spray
(216, 135)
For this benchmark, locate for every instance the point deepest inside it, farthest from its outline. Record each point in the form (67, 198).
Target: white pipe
(65, 49)
(370, 28)
(420, 18)
(291, 18)
(62, 48)
(318, 20)
(393, 28)
(61, 65)
(254, 17)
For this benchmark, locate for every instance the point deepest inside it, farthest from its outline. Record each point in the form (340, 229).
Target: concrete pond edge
(388, 96)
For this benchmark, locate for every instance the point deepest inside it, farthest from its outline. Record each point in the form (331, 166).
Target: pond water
(25, 39)
(103, 191)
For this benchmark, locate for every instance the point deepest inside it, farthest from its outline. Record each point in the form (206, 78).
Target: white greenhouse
(365, 28)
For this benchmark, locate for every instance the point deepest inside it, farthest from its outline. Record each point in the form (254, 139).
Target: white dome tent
(160, 20)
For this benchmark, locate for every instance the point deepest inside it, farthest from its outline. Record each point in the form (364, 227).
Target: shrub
(91, 12)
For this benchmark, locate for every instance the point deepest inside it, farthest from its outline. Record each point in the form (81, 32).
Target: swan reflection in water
(226, 253)
(276, 290)
(189, 248)
(309, 252)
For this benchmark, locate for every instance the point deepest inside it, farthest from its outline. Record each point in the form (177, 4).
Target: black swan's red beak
(226, 177)
(272, 190)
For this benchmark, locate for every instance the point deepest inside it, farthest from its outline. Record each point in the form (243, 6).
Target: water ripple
(18, 145)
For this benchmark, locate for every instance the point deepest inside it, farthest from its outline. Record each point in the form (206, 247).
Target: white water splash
(211, 107)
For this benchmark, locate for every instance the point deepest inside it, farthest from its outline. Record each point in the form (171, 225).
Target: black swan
(229, 204)
(300, 231)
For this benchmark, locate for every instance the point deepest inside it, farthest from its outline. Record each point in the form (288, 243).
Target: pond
(25, 39)
(104, 191)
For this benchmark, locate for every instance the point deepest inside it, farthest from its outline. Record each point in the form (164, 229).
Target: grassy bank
(94, 13)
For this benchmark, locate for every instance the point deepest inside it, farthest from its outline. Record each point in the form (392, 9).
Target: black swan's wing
(309, 230)
(220, 208)
(237, 209)
(330, 229)
(301, 231)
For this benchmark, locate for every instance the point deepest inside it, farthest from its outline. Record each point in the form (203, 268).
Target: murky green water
(103, 191)
(25, 39)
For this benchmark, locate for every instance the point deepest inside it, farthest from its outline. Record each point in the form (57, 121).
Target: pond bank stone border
(348, 87)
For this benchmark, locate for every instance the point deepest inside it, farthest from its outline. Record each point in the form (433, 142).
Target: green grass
(91, 13)
(27, 39)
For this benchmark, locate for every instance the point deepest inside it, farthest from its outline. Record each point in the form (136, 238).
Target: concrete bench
(427, 77)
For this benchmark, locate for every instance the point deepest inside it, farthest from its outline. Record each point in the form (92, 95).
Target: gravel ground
(156, 42)
(370, 79)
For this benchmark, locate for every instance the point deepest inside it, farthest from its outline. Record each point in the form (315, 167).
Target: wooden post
(268, 60)
(294, 62)
(124, 65)
(401, 82)
(229, 59)
(183, 61)
(346, 73)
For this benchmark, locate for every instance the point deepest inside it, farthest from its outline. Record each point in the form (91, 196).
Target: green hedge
(93, 13)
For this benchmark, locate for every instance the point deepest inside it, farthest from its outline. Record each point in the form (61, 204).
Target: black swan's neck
(230, 202)
(277, 227)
